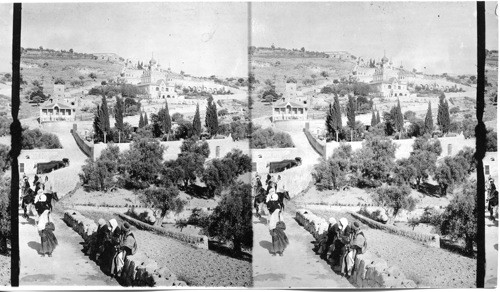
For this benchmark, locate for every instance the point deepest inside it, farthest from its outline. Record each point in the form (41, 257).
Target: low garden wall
(425, 238)
(370, 271)
(138, 269)
(88, 150)
(198, 241)
(320, 148)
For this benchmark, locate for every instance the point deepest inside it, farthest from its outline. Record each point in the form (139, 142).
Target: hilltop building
(390, 81)
(59, 90)
(292, 106)
(154, 83)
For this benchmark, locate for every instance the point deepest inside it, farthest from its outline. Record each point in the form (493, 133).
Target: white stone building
(57, 111)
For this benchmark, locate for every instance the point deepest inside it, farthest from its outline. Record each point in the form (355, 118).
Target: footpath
(491, 249)
(68, 265)
(299, 267)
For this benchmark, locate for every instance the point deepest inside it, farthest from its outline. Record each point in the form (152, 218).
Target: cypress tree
(329, 122)
(374, 119)
(398, 119)
(337, 117)
(443, 119)
(428, 124)
(146, 122)
(197, 122)
(351, 113)
(211, 121)
(98, 134)
(166, 121)
(119, 109)
(141, 121)
(105, 115)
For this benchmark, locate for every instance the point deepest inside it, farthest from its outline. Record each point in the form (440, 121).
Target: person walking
(277, 230)
(46, 230)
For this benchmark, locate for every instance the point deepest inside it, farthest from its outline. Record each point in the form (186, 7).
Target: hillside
(491, 88)
(48, 67)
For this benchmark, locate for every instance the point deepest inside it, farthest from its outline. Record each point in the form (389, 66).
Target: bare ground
(427, 266)
(197, 267)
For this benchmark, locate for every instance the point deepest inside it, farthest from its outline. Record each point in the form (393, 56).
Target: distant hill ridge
(35, 53)
(276, 52)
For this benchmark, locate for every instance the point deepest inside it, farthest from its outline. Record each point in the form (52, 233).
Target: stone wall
(88, 150)
(198, 241)
(318, 146)
(425, 238)
(138, 269)
(370, 271)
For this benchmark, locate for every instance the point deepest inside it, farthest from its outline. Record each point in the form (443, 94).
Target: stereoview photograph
(363, 119)
(135, 163)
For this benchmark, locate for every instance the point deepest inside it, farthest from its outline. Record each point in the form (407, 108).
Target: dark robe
(96, 245)
(279, 238)
(111, 248)
(326, 240)
(129, 244)
(49, 240)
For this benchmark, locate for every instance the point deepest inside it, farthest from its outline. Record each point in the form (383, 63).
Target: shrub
(164, 200)
(99, 175)
(36, 139)
(268, 138)
(5, 224)
(143, 162)
(331, 174)
(394, 198)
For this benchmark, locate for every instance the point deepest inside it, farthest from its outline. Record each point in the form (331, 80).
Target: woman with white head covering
(46, 230)
(339, 246)
(277, 230)
(111, 246)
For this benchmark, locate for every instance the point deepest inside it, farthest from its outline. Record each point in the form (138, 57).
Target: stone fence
(320, 148)
(370, 271)
(88, 150)
(425, 238)
(138, 269)
(198, 241)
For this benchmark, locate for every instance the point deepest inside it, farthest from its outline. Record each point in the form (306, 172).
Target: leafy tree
(374, 161)
(426, 144)
(416, 128)
(184, 130)
(177, 117)
(93, 76)
(424, 163)
(36, 139)
(194, 145)
(59, 81)
(395, 199)
(231, 219)
(163, 200)
(404, 171)
(451, 171)
(467, 157)
(5, 223)
(142, 162)
(409, 115)
(221, 173)
(330, 174)
(459, 219)
(491, 140)
(5, 158)
(269, 138)
(119, 109)
(99, 175)
(197, 122)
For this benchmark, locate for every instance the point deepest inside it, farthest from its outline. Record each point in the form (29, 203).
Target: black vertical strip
(480, 145)
(15, 132)
(250, 105)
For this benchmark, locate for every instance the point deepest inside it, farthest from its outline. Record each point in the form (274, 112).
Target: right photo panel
(362, 141)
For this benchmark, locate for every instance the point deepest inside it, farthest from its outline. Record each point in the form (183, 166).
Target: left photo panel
(135, 164)
(6, 12)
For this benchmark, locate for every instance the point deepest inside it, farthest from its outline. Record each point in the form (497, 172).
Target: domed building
(389, 81)
(154, 82)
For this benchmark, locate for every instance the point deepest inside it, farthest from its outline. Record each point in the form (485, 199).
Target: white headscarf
(332, 221)
(275, 218)
(113, 224)
(272, 196)
(343, 223)
(43, 220)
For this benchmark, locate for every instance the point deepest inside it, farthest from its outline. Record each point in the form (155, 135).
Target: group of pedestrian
(340, 244)
(110, 245)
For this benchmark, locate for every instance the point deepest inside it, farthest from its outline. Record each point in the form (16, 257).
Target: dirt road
(68, 266)
(299, 267)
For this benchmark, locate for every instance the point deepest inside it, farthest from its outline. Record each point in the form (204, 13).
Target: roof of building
(58, 104)
(285, 103)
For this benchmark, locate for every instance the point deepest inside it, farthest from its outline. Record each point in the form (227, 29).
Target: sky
(201, 39)
(435, 37)
(212, 38)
